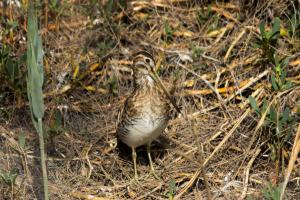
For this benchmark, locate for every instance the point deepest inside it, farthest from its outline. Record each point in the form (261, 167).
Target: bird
(146, 111)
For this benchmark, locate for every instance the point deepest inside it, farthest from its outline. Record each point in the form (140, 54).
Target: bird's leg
(134, 162)
(150, 161)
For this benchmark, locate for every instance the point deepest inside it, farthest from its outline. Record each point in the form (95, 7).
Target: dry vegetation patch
(216, 54)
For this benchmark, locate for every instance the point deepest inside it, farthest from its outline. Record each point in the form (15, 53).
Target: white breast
(145, 130)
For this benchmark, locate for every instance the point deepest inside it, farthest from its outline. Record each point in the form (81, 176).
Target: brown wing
(125, 117)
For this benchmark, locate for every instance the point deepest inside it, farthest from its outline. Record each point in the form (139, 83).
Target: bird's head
(143, 63)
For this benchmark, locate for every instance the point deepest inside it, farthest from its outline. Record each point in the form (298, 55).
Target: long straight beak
(160, 84)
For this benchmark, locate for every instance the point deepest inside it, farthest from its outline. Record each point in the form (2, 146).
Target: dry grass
(217, 124)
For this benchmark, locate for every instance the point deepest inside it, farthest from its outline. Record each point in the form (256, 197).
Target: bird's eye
(147, 60)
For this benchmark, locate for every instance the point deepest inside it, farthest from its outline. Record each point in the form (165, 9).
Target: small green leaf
(273, 153)
(279, 131)
(264, 106)
(109, 6)
(9, 177)
(58, 119)
(257, 45)
(53, 3)
(276, 60)
(12, 24)
(274, 83)
(278, 69)
(56, 127)
(285, 115)
(10, 68)
(250, 198)
(113, 85)
(288, 85)
(272, 192)
(172, 187)
(285, 62)
(196, 51)
(268, 36)
(275, 27)
(168, 31)
(283, 76)
(262, 29)
(273, 115)
(21, 139)
(253, 104)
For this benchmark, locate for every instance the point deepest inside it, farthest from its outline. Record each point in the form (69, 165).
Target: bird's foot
(153, 173)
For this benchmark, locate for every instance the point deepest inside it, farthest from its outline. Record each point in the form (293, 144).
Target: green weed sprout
(35, 79)
(268, 39)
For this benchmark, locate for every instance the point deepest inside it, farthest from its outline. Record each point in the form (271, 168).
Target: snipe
(146, 111)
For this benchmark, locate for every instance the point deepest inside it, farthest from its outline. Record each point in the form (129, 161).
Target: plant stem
(43, 158)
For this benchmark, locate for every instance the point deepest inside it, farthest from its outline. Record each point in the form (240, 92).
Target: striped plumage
(146, 111)
(143, 113)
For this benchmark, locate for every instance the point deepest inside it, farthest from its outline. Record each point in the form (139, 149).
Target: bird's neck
(144, 81)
